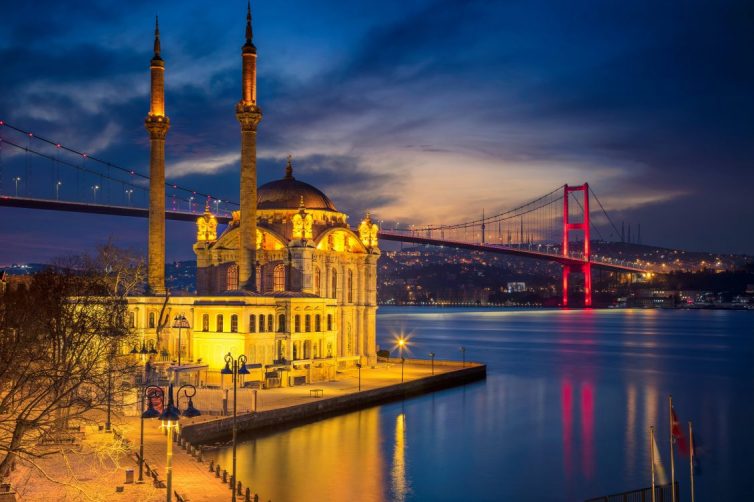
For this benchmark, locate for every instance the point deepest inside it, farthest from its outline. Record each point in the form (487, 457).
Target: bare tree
(63, 354)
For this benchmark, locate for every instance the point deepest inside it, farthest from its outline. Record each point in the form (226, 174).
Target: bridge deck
(138, 212)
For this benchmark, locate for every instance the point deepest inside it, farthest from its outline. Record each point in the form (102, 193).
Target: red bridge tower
(586, 268)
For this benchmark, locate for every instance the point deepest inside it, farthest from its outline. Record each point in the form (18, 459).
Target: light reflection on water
(563, 415)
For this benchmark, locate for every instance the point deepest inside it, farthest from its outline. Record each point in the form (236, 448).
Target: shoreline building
(287, 283)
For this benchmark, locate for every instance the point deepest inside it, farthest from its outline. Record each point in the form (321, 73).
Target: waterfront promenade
(99, 466)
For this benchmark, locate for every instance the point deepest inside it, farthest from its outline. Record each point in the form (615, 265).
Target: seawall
(221, 429)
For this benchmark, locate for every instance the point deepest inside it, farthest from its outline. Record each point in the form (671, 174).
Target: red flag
(677, 433)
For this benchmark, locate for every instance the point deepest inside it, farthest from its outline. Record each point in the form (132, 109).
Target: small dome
(286, 193)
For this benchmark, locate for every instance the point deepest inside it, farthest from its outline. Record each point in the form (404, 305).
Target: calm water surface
(562, 416)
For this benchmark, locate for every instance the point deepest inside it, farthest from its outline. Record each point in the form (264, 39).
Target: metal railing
(663, 493)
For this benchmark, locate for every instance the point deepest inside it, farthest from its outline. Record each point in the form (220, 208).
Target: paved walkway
(94, 472)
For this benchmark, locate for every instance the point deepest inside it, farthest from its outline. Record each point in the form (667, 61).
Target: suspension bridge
(39, 173)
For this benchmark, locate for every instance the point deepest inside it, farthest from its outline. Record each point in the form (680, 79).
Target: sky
(420, 111)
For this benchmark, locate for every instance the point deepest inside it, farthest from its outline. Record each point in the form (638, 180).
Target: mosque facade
(287, 283)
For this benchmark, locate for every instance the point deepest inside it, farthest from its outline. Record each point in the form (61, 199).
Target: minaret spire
(248, 115)
(157, 123)
(289, 168)
(156, 38)
(249, 31)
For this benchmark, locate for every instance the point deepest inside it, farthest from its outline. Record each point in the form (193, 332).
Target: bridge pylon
(583, 226)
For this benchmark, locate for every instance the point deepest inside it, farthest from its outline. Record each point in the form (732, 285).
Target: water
(563, 415)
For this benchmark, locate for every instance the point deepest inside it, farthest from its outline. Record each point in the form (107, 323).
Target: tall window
(132, 319)
(219, 323)
(329, 322)
(317, 281)
(261, 323)
(278, 278)
(297, 323)
(317, 323)
(334, 288)
(252, 323)
(270, 322)
(151, 319)
(307, 323)
(232, 278)
(349, 286)
(234, 323)
(281, 323)
(259, 278)
(205, 322)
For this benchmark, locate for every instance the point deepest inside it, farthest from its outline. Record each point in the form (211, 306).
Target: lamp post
(169, 418)
(180, 322)
(401, 345)
(234, 367)
(94, 192)
(17, 179)
(57, 189)
(463, 356)
(358, 365)
(150, 392)
(432, 356)
(129, 192)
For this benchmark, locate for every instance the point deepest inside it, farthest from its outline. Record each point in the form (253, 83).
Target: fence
(663, 493)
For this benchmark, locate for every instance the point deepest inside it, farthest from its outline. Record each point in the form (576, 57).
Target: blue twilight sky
(418, 110)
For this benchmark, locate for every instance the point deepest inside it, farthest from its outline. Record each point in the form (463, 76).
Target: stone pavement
(98, 467)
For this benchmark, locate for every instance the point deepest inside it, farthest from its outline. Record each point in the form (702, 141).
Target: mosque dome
(286, 193)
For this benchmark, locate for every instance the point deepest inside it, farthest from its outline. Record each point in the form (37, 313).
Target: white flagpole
(691, 459)
(672, 461)
(652, 457)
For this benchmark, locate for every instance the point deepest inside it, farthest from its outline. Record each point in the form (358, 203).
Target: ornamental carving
(206, 227)
(248, 116)
(157, 125)
(368, 232)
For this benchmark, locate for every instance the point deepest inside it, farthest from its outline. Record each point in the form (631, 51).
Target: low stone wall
(221, 429)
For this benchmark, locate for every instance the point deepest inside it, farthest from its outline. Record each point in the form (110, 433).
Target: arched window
(252, 323)
(270, 322)
(132, 319)
(349, 286)
(151, 319)
(317, 323)
(317, 282)
(205, 322)
(219, 323)
(261, 323)
(234, 323)
(334, 288)
(329, 322)
(297, 323)
(278, 278)
(232, 278)
(281, 323)
(307, 323)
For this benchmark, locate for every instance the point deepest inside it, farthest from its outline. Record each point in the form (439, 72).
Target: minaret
(157, 123)
(248, 115)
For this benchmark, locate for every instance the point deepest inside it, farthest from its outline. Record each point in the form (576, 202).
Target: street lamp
(191, 204)
(234, 367)
(432, 355)
(358, 365)
(57, 189)
(150, 392)
(129, 192)
(217, 206)
(94, 192)
(17, 179)
(463, 356)
(169, 418)
(180, 322)
(401, 345)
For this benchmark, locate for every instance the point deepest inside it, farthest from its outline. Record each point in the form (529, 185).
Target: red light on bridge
(58, 145)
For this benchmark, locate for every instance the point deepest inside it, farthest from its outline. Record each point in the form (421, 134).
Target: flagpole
(691, 459)
(672, 462)
(652, 457)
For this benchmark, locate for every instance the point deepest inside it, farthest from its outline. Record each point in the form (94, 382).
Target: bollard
(240, 491)
(225, 476)
(248, 495)
(199, 457)
(211, 465)
(256, 497)
(217, 471)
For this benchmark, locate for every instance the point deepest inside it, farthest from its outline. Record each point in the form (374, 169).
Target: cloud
(206, 165)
